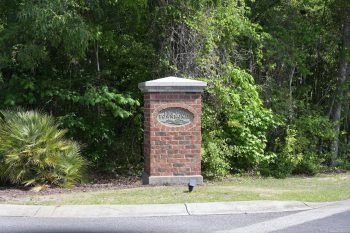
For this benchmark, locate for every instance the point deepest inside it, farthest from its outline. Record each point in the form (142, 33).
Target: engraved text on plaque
(175, 116)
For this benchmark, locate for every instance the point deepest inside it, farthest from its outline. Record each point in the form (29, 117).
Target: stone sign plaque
(175, 116)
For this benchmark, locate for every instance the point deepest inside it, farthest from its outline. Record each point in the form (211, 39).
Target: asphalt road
(336, 223)
(298, 222)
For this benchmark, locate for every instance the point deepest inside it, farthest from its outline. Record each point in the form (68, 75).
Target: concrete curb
(104, 211)
(245, 207)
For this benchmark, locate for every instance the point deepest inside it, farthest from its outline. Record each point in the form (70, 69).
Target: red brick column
(172, 152)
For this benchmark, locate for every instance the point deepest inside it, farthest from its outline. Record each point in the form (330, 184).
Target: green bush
(343, 163)
(301, 147)
(309, 165)
(34, 152)
(234, 113)
(283, 160)
(314, 132)
(215, 158)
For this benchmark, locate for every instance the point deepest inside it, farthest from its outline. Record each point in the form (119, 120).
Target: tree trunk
(342, 88)
(290, 107)
(97, 60)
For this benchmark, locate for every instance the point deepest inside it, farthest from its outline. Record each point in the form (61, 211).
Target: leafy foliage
(234, 115)
(34, 151)
(215, 156)
(273, 69)
(65, 58)
(301, 148)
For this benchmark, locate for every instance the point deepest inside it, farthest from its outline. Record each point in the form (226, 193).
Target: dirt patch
(11, 193)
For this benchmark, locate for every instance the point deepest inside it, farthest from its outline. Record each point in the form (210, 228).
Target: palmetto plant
(34, 152)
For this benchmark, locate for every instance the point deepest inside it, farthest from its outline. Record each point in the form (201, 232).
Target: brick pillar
(172, 130)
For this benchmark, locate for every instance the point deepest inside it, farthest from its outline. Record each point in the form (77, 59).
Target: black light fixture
(191, 185)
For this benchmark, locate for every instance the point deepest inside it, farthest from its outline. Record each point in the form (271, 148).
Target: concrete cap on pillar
(172, 84)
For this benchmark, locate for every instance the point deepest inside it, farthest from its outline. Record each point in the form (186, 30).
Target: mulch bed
(97, 184)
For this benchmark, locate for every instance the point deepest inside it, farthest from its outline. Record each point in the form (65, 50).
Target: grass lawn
(330, 187)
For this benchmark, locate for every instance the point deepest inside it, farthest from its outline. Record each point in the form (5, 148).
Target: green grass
(313, 189)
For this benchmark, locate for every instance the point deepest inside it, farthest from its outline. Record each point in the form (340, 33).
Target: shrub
(314, 132)
(234, 113)
(283, 160)
(34, 152)
(215, 154)
(309, 165)
(301, 147)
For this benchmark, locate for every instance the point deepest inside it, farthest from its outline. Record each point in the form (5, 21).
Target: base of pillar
(170, 180)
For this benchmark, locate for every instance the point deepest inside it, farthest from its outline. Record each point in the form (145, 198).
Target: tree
(80, 61)
(341, 9)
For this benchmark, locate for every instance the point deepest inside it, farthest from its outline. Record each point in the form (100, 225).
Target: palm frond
(33, 151)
